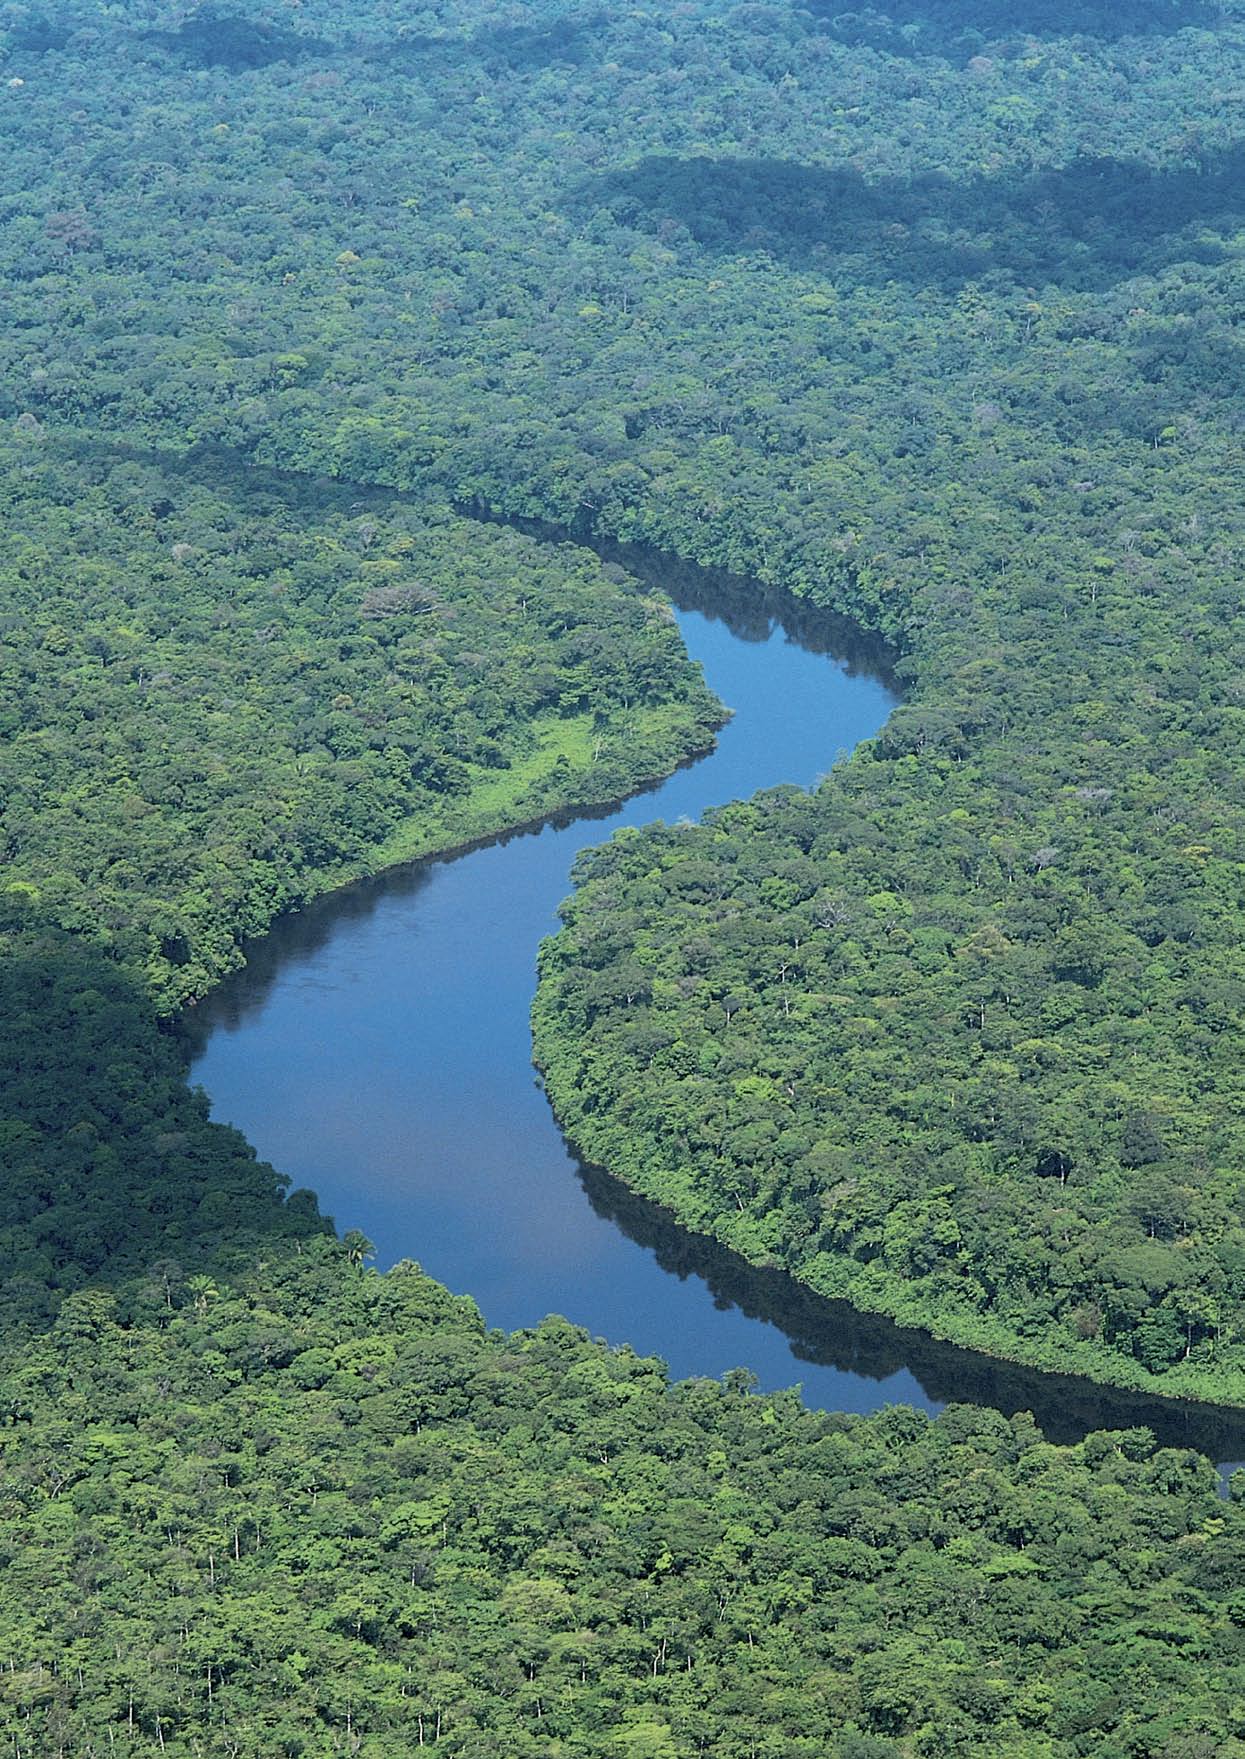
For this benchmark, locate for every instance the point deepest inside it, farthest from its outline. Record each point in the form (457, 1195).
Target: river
(377, 1049)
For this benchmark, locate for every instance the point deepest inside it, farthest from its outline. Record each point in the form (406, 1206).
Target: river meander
(377, 1049)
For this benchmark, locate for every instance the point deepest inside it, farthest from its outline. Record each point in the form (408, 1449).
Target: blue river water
(377, 1049)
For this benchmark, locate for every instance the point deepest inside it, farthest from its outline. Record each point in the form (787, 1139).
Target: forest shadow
(259, 490)
(110, 1163)
(217, 37)
(496, 48)
(834, 1335)
(213, 36)
(1085, 227)
(518, 46)
(750, 609)
(961, 29)
(38, 34)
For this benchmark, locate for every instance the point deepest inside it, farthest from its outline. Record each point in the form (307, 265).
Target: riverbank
(821, 1320)
(377, 1048)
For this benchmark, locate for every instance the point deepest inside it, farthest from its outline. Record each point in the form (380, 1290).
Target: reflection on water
(377, 1049)
(830, 1334)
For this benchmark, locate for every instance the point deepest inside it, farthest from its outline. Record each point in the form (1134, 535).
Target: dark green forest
(222, 692)
(256, 1499)
(931, 317)
(926, 313)
(331, 1514)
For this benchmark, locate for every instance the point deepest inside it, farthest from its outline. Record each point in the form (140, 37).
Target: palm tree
(358, 1247)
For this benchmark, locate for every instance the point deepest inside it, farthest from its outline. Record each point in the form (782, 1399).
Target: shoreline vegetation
(908, 1318)
(931, 318)
(1065, 1406)
(950, 358)
(448, 832)
(632, 1086)
(359, 633)
(561, 750)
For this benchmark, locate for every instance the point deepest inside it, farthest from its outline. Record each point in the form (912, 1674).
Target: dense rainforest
(330, 1514)
(222, 692)
(931, 316)
(928, 313)
(256, 1499)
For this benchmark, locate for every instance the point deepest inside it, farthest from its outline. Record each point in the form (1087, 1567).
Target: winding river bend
(376, 1048)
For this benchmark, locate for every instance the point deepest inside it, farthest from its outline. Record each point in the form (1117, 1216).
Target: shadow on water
(750, 610)
(296, 936)
(833, 1335)
(826, 1335)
